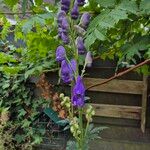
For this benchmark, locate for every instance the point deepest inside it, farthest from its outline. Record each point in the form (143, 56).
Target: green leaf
(24, 5)
(21, 112)
(36, 19)
(118, 14)
(5, 58)
(71, 145)
(147, 55)
(26, 123)
(6, 85)
(135, 47)
(144, 70)
(102, 23)
(10, 70)
(145, 7)
(106, 3)
(101, 35)
(129, 6)
(11, 3)
(37, 139)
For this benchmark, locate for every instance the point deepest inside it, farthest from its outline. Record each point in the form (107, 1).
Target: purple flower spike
(75, 12)
(80, 45)
(85, 19)
(78, 93)
(81, 2)
(65, 5)
(64, 38)
(65, 24)
(60, 53)
(88, 59)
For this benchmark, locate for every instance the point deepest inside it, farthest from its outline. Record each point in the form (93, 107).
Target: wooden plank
(115, 86)
(117, 111)
(144, 103)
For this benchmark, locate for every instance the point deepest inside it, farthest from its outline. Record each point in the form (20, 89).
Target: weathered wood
(117, 111)
(144, 103)
(115, 86)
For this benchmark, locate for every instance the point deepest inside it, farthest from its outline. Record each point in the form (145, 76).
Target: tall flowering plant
(71, 28)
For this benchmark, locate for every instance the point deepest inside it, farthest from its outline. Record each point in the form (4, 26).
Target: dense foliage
(119, 29)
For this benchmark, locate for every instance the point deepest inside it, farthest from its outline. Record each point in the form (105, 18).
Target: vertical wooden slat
(144, 103)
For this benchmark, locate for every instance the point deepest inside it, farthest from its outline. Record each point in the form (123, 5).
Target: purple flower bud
(79, 30)
(65, 38)
(65, 72)
(65, 8)
(60, 53)
(65, 24)
(75, 12)
(80, 45)
(60, 31)
(85, 19)
(88, 59)
(65, 2)
(65, 5)
(81, 2)
(78, 93)
(60, 17)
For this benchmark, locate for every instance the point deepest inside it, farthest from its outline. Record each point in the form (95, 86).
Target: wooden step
(115, 86)
(117, 111)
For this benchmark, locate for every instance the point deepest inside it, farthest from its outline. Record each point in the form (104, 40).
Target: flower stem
(81, 127)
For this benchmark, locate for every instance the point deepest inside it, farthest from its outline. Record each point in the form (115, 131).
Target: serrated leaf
(11, 3)
(34, 20)
(103, 22)
(118, 14)
(99, 35)
(106, 3)
(6, 85)
(145, 7)
(129, 6)
(24, 4)
(90, 40)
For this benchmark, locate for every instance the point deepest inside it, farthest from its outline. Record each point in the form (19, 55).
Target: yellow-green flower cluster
(65, 101)
(74, 127)
(89, 113)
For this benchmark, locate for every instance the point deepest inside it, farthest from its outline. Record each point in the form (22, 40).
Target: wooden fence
(123, 87)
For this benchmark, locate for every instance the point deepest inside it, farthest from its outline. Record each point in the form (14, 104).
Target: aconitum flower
(81, 2)
(65, 24)
(65, 5)
(64, 37)
(80, 45)
(88, 59)
(60, 31)
(79, 30)
(60, 53)
(66, 75)
(75, 11)
(85, 19)
(78, 93)
(67, 70)
(60, 17)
